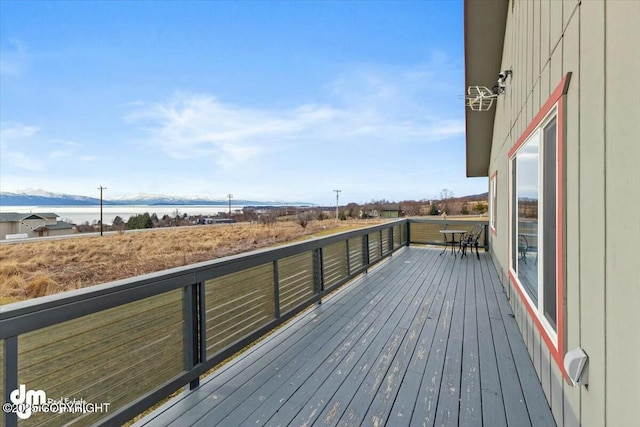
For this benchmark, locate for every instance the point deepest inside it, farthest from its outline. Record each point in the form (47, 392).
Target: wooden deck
(423, 339)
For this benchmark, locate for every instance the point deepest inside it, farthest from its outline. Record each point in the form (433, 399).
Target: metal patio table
(453, 241)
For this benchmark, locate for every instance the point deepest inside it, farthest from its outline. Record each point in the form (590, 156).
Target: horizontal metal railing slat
(99, 370)
(295, 276)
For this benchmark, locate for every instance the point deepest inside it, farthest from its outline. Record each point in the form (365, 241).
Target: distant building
(390, 211)
(209, 221)
(20, 225)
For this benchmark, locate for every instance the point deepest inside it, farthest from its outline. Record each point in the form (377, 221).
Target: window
(535, 219)
(525, 203)
(493, 201)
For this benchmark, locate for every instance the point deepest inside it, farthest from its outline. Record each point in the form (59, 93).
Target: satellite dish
(480, 98)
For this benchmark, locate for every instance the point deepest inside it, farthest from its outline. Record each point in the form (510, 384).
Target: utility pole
(101, 222)
(230, 196)
(337, 204)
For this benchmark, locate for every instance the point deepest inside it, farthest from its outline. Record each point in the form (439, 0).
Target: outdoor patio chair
(471, 240)
(523, 246)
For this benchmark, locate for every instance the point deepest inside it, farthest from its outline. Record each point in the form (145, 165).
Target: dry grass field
(34, 269)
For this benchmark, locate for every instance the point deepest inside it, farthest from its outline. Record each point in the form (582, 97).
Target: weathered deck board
(422, 339)
(328, 379)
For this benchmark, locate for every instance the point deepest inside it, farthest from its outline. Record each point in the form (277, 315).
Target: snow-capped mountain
(163, 199)
(40, 197)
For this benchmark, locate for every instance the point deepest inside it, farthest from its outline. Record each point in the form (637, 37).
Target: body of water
(82, 214)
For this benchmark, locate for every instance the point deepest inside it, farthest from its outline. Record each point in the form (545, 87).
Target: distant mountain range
(45, 198)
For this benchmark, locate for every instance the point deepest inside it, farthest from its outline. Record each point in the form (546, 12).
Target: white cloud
(192, 125)
(10, 131)
(56, 154)
(16, 134)
(23, 161)
(13, 58)
(25, 147)
(363, 104)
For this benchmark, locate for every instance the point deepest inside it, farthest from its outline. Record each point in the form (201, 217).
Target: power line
(337, 199)
(230, 196)
(101, 222)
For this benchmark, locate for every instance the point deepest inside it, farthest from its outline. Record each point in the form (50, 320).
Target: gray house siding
(597, 43)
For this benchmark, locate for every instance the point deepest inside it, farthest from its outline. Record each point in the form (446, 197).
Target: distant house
(20, 225)
(390, 211)
(381, 211)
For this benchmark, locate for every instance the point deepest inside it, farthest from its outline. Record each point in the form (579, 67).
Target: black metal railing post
(486, 237)
(348, 258)
(191, 334)
(365, 251)
(318, 279)
(202, 321)
(10, 378)
(276, 289)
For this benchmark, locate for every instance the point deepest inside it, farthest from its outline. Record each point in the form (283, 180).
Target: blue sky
(269, 100)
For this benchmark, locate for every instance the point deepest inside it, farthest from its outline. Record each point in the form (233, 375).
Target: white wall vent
(576, 364)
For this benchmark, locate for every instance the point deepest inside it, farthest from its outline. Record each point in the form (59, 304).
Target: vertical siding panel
(555, 40)
(555, 32)
(592, 154)
(545, 375)
(517, 71)
(519, 318)
(545, 50)
(622, 201)
(556, 65)
(567, 9)
(526, 61)
(545, 78)
(507, 99)
(571, 411)
(530, 327)
(527, 112)
(557, 399)
(515, 38)
(512, 303)
(523, 320)
(536, 56)
(500, 140)
(523, 54)
(536, 351)
(512, 62)
(535, 98)
(545, 30)
(531, 55)
(571, 63)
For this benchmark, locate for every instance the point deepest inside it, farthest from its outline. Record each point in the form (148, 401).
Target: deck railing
(427, 231)
(121, 347)
(124, 346)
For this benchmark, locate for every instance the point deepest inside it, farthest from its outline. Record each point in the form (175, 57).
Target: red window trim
(492, 206)
(556, 98)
